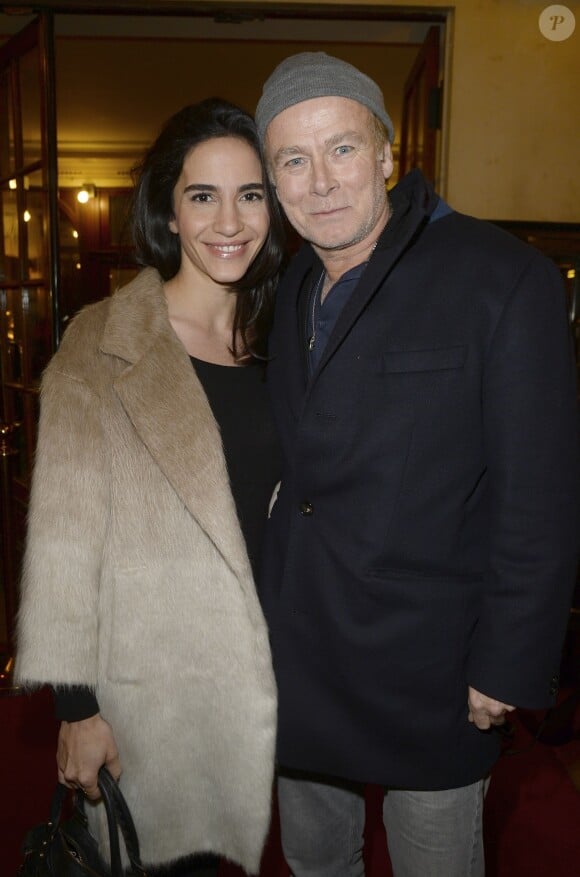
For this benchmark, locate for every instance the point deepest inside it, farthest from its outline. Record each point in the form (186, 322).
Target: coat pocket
(168, 621)
(440, 359)
(418, 626)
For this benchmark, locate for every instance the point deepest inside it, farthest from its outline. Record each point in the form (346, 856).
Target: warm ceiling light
(12, 184)
(571, 274)
(27, 216)
(75, 233)
(86, 193)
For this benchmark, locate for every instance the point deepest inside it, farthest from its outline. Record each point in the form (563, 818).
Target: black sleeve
(72, 703)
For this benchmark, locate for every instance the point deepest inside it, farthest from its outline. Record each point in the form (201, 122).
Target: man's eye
(343, 150)
(294, 162)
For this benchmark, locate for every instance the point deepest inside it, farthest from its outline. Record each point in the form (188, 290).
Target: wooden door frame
(422, 115)
(36, 35)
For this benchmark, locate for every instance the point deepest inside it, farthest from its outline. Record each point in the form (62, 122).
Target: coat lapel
(287, 341)
(166, 404)
(393, 243)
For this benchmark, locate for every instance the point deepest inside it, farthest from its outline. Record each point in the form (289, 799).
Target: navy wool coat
(425, 535)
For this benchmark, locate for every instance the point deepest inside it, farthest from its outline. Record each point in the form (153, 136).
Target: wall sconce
(13, 184)
(86, 193)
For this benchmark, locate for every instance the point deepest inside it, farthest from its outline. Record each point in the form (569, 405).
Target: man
(422, 549)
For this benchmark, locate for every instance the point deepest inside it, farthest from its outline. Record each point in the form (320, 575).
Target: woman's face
(220, 211)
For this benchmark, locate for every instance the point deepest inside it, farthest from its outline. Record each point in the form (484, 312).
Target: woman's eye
(252, 196)
(201, 197)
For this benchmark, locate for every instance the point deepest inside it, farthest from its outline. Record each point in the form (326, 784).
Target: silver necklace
(315, 295)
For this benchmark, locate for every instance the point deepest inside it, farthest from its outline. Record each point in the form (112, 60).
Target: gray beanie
(316, 74)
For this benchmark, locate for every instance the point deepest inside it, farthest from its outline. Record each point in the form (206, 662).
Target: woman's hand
(83, 747)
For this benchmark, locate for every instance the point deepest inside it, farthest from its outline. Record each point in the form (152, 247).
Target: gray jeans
(429, 834)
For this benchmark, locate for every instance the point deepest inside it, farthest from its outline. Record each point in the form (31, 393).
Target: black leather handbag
(66, 848)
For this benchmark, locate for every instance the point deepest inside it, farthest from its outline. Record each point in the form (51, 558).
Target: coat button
(554, 684)
(306, 508)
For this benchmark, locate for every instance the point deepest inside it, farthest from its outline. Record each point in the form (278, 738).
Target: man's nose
(322, 179)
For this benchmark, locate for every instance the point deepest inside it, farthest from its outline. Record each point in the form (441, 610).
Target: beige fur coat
(137, 582)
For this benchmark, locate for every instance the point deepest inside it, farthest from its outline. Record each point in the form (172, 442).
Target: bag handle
(119, 816)
(60, 794)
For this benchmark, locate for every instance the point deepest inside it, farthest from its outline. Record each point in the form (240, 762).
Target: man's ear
(386, 160)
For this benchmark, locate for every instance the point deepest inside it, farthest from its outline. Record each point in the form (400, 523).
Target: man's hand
(484, 711)
(83, 747)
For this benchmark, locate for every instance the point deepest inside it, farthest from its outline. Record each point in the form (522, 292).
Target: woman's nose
(228, 220)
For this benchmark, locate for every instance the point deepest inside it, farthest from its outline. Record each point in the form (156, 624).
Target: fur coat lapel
(166, 404)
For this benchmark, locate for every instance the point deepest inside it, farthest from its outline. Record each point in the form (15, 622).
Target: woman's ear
(173, 226)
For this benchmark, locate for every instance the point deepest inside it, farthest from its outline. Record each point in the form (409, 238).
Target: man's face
(329, 172)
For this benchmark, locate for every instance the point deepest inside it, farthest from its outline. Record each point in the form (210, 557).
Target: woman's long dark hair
(156, 246)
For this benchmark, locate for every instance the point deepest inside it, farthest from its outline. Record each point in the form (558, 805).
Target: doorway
(118, 77)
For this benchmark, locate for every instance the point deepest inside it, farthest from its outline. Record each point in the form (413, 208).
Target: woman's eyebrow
(200, 187)
(247, 186)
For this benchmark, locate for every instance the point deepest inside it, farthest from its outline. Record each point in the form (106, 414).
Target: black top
(239, 401)
(238, 397)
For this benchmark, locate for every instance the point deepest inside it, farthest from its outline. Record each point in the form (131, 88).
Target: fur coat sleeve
(66, 536)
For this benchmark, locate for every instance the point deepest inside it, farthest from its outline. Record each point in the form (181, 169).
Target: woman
(138, 600)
